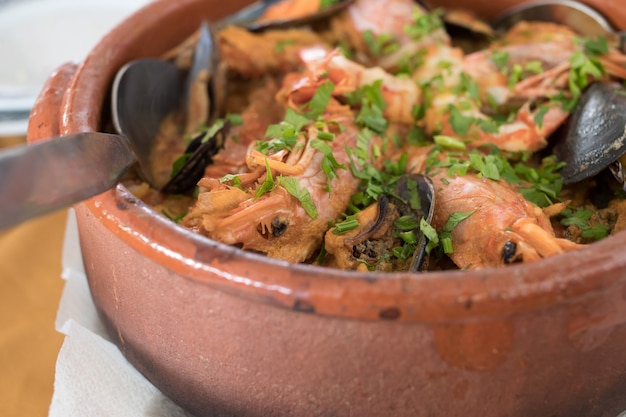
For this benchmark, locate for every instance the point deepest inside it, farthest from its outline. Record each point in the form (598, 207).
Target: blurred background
(37, 37)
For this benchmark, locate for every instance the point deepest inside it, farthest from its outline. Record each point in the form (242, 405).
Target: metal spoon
(580, 17)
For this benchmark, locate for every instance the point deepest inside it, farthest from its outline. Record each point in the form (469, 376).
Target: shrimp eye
(508, 252)
(279, 226)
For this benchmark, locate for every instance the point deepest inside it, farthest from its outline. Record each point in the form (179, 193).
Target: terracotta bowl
(228, 333)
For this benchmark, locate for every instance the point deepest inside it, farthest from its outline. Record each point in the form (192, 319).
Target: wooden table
(30, 291)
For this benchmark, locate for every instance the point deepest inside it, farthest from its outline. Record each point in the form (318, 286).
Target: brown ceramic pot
(228, 333)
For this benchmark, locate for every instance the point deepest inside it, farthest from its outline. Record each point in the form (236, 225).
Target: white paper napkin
(92, 376)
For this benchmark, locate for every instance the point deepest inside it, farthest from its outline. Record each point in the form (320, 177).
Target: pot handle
(45, 116)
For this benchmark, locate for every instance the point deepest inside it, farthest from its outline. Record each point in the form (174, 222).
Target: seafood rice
(322, 124)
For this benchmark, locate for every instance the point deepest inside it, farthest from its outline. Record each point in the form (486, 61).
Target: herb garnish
(328, 3)
(585, 65)
(424, 23)
(370, 99)
(467, 86)
(329, 163)
(582, 67)
(317, 105)
(281, 45)
(596, 46)
(233, 179)
(268, 184)
(380, 45)
(173, 217)
(443, 238)
(461, 124)
(581, 218)
(234, 119)
(500, 60)
(545, 183)
(350, 223)
(541, 185)
(207, 135)
(292, 185)
(283, 135)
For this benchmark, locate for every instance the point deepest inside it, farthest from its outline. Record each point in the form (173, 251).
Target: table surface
(30, 291)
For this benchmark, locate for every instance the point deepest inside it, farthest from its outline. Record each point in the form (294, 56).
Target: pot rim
(434, 296)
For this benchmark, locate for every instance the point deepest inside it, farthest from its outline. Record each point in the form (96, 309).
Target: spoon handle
(49, 175)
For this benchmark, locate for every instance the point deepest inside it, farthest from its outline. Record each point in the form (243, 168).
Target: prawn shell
(596, 135)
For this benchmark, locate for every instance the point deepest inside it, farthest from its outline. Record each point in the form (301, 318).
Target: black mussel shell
(413, 195)
(204, 145)
(205, 57)
(596, 133)
(426, 193)
(200, 153)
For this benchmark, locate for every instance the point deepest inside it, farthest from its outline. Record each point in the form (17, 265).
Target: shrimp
(400, 94)
(387, 22)
(522, 133)
(276, 223)
(503, 226)
(547, 48)
(261, 111)
(454, 110)
(541, 60)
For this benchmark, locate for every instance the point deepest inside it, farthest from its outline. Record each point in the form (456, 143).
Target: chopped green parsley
(293, 187)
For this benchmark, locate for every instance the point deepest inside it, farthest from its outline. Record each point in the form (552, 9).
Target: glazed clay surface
(227, 333)
(253, 358)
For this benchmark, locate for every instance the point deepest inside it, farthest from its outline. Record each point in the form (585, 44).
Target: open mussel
(205, 81)
(155, 102)
(199, 153)
(388, 235)
(596, 134)
(416, 189)
(203, 103)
